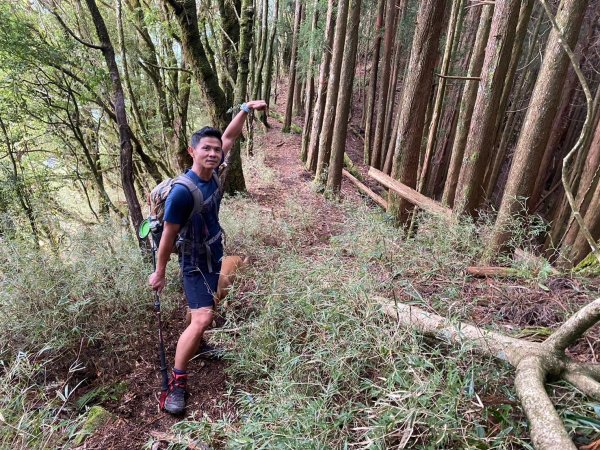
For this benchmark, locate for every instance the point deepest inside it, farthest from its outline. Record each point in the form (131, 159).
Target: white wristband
(244, 107)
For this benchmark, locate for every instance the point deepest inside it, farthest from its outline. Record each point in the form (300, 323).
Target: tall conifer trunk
(338, 147)
(287, 121)
(414, 100)
(332, 88)
(319, 108)
(538, 120)
(470, 192)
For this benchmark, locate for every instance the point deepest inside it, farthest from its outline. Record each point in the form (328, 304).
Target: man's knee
(201, 318)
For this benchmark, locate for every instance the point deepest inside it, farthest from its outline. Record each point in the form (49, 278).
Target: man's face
(207, 153)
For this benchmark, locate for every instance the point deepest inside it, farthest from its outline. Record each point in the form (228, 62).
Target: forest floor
(137, 420)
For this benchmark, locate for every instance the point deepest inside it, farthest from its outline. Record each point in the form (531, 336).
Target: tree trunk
(310, 86)
(453, 25)
(520, 98)
(540, 115)
(233, 175)
(230, 36)
(287, 121)
(319, 110)
(332, 89)
(185, 11)
(373, 81)
(126, 157)
(338, 147)
(382, 100)
(266, 92)
(414, 102)
(467, 105)
(470, 192)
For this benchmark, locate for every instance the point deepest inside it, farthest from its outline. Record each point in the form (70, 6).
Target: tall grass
(65, 318)
(319, 366)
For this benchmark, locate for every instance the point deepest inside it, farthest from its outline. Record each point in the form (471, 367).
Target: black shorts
(200, 288)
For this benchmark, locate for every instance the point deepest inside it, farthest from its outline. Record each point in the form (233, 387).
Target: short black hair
(205, 132)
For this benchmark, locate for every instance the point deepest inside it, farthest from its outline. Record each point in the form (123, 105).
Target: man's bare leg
(190, 339)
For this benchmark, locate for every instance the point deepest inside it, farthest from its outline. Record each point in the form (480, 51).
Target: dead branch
(534, 362)
(376, 198)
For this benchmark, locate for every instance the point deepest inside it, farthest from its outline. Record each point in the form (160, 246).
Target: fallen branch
(534, 362)
(376, 198)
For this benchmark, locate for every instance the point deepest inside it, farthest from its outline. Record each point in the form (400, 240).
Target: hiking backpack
(157, 200)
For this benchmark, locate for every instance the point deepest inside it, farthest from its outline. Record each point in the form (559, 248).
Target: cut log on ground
(376, 198)
(409, 194)
(534, 362)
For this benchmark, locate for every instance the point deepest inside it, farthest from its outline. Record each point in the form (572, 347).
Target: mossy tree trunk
(287, 120)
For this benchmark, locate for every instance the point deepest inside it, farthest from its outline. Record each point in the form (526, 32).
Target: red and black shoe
(175, 398)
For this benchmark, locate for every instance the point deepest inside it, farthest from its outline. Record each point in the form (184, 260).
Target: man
(199, 243)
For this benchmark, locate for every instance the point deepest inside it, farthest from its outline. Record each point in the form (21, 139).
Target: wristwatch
(244, 107)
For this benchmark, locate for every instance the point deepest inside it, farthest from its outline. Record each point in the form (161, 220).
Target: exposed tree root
(534, 362)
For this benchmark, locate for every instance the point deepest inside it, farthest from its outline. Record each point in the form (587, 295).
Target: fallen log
(376, 198)
(534, 362)
(411, 195)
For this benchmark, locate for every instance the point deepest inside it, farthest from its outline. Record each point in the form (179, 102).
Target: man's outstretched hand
(257, 105)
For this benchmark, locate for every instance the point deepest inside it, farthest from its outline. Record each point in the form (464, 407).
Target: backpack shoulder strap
(196, 193)
(219, 184)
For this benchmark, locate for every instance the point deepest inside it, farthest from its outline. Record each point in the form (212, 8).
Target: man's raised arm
(235, 127)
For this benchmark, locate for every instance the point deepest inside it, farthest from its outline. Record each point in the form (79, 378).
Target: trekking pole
(143, 233)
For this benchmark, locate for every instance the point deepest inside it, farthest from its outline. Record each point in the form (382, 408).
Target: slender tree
(319, 108)
(467, 105)
(287, 121)
(338, 147)
(481, 132)
(372, 89)
(414, 102)
(382, 100)
(126, 157)
(332, 88)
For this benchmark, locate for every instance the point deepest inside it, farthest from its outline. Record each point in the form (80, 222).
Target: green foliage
(64, 320)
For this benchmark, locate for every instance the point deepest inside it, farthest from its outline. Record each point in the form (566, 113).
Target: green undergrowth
(68, 321)
(317, 365)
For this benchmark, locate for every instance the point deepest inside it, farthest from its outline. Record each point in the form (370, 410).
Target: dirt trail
(137, 417)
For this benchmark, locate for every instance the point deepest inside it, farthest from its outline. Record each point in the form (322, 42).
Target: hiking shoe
(174, 402)
(208, 351)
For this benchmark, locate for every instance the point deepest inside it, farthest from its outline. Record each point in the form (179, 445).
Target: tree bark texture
(185, 11)
(126, 153)
(338, 146)
(538, 120)
(287, 121)
(310, 86)
(453, 24)
(414, 101)
(467, 104)
(319, 109)
(382, 100)
(470, 192)
(370, 103)
(332, 89)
